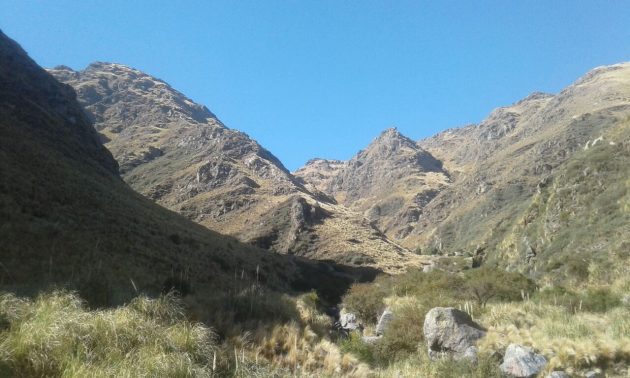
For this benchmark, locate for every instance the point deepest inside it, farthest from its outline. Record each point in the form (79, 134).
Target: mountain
(517, 167)
(67, 219)
(539, 186)
(180, 155)
(389, 182)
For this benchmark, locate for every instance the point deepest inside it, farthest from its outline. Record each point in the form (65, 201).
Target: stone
(451, 333)
(384, 321)
(521, 361)
(349, 322)
(558, 374)
(593, 374)
(370, 339)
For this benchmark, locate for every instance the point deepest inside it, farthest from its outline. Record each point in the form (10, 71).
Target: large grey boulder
(451, 333)
(521, 361)
(384, 321)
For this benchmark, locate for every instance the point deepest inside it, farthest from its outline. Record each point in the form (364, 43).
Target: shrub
(484, 284)
(599, 300)
(404, 334)
(366, 300)
(356, 346)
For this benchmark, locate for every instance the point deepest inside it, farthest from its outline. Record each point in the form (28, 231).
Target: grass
(55, 336)
(573, 341)
(576, 328)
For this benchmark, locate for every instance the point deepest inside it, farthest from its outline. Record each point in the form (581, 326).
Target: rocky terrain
(180, 155)
(475, 191)
(389, 182)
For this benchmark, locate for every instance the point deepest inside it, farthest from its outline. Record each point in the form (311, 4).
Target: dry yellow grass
(570, 340)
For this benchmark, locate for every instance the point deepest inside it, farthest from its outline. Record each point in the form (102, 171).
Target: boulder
(522, 361)
(451, 333)
(383, 322)
(349, 322)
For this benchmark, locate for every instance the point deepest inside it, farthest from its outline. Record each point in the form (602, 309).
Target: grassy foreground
(57, 335)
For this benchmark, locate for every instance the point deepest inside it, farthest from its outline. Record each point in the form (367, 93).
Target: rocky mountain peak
(391, 140)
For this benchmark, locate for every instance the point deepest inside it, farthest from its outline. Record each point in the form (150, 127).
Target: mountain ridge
(219, 177)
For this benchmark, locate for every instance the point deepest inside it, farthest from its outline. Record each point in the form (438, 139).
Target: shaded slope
(67, 217)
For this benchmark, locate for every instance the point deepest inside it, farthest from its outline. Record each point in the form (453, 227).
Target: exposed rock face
(451, 332)
(390, 182)
(558, 374)
(523, 362)
(320, 172)
(179, 154)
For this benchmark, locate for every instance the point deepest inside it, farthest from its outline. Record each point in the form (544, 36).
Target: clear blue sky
(323, 78)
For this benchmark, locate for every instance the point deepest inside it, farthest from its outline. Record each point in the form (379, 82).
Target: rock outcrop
(452, 333)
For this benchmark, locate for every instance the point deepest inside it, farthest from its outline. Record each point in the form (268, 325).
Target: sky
(324, 78)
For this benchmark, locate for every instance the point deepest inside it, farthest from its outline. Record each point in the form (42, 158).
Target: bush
(484, 284)
(356, 346)
(592, 300)
(404, 334)
(365, 300)
(599, 300)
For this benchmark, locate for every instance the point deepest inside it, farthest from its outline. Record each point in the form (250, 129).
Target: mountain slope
(494, 185)
(180, 155)
(511, 193)
(389, 181)
(68, 219)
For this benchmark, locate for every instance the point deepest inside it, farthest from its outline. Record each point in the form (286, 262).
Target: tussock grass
(55, 336)
(570, 340)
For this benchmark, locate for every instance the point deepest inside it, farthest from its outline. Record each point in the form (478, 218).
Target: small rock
(349, 322)
(558, 374)
(451, 332)
(383, 322)
(523, 362)
(593, 374)
(370, 339)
